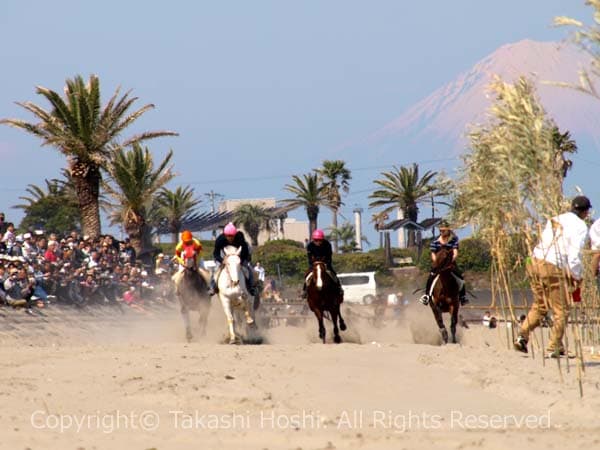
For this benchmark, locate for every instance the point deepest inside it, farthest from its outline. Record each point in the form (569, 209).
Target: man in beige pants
(554, 271)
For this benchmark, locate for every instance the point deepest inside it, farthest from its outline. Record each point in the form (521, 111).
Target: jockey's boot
(521, 344)
(251, 289)
(212, 289)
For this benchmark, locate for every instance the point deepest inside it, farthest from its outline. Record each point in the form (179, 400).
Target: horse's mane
(443, 260)
(229, 250)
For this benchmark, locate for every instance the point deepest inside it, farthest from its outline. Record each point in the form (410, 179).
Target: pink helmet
(318, 234)
(230, 230)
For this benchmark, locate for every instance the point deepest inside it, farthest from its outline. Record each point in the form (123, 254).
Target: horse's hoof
(337, 339)
(343, 326)
(188, 336)
(444, 336)
(234, 341)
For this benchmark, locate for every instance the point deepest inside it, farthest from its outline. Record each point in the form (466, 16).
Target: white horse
(233, 292)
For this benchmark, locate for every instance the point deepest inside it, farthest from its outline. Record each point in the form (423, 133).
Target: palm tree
(563, 145)
(310, 194)
(83, 131)
(133, 184)
(52, 209)
(347, 236)
(176, 207)
(402, 188)
(336, 177)
(252, 218)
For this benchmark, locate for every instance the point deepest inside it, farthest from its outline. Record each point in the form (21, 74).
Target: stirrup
(425, 299)
(521, 344)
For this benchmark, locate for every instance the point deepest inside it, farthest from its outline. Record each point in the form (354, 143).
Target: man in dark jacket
(231, 236)
(319, 249)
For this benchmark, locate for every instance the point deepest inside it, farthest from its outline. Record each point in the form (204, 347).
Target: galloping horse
(193, 295)
(233, 292)
(444, 293)
(323, 295)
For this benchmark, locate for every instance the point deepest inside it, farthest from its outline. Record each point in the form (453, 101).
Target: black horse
(193, 296)
(445, 289)
(323, 295)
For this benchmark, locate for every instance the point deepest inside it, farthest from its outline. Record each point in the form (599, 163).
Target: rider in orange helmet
(188, 245)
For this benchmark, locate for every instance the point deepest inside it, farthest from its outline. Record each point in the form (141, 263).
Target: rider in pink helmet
(318, 235)
(232, 236)
(230, 230)
(319, 249)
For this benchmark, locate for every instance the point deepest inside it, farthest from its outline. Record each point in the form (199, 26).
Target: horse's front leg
(437, 313)
(226, 302)
(342, 323)
(203, 320)
(334, 318)
(185, 313)
(453, 320)
(319, 315)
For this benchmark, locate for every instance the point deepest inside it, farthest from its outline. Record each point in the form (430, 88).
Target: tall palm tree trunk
(86, 178)
(334, 224)
(139, 233)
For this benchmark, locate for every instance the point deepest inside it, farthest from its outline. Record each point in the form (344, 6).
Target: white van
(359, 287)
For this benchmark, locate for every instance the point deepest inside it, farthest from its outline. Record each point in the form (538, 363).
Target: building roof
(409, 224)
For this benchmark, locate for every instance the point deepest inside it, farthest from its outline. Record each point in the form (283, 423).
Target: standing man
(556, 263)
(260, 273)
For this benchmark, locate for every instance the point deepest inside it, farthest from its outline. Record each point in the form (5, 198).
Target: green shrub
(288, 255)
(358, 262)
(473, 255)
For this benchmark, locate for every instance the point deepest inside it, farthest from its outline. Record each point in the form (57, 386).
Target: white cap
(38, 232)
(19, 238)
(27, 236)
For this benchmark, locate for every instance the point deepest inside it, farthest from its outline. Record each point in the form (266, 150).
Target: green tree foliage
(84, 132)
(133, 184)
(52, 209)
(176, 207)
(336, 178)
(252, 218)
(403, 188)
(309, 193)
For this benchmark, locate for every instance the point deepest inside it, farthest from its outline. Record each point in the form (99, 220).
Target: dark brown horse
(323, 296)
(193, 296)
(444, 295)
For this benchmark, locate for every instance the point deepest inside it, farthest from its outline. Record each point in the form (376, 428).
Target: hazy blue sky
(258, 90)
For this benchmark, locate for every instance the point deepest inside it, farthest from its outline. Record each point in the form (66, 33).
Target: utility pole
(212, 195)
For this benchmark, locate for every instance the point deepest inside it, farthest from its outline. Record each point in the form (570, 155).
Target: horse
(193, 295)
(444, 293)
(233, 292)
(323, 295)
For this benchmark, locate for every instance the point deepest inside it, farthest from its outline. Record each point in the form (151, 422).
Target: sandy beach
(111, 380)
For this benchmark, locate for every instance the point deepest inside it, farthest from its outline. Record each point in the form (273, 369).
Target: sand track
(127, 380)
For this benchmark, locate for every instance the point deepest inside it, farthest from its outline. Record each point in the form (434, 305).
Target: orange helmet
(186, 236)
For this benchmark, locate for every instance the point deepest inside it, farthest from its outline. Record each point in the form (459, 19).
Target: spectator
(486, 319)
(3, 224)
(556, 263)
(9, 237)
(50, 254)
(260, 271)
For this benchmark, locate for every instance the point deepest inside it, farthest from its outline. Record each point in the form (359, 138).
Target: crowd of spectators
(39, 268)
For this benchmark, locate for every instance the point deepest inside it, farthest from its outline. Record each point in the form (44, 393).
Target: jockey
(449, 240)
(319, 249)
(231, 236)
(187, 247)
